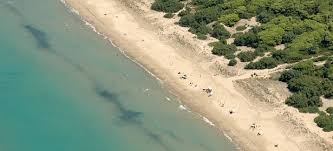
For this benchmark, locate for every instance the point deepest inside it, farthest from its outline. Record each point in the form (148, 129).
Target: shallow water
(64, 88)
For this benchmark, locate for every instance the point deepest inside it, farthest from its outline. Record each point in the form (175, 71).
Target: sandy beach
(259, 120)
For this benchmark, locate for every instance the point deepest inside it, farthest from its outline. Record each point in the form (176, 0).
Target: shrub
(201, 36)
(324, 121)
(232, 62)
(217, 43)
(297, 100)
(304, 103)
(262, 48)
(240, 28)
(230, 56)
(229, 19)
(237, 34)
(185, 12)
(289, 74)
(198, 2)
(264, 63)
(287, 56)
(309, 84)
(168, 15)
(288, 37)
(168, 6)
(202, 29)
(223, 49)
(329, 110)
(188, 21)
(249, 39)
(305, 67)
(246, 56)
(309, 109)
(271, 36)
(219, 32)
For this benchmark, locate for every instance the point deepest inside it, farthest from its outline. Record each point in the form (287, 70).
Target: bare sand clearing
(166, 49)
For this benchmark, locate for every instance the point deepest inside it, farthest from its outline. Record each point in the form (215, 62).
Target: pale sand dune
(166, 49)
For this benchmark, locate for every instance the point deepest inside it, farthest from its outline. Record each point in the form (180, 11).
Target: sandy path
(141, 41)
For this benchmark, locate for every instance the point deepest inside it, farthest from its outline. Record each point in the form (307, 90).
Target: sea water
(64, 88)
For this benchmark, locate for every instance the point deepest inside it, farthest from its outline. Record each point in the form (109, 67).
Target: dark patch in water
(205, 147)
(39, 35)
(157, 139)
(126, 114)
(12, 8)
(173, 136)
(131, 117)
(43, 42)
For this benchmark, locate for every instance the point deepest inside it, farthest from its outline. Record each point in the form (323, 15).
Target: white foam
(167, 98)
(183, 107)
(208, 121)
(228, 137)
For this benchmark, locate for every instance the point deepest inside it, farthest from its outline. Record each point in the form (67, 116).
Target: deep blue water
(64, 88)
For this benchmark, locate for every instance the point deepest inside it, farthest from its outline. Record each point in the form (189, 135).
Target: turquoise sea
(64, 88)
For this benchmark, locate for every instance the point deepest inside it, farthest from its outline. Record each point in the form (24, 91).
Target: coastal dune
(132, 28)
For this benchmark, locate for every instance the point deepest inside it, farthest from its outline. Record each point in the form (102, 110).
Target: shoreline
(206, 107)
(181, 106)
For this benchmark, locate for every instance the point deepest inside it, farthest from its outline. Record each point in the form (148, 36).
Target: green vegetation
(309, 82)
(304, 27)
(168, 15)
(241, 28)
(232, 62)
(249, 39)
(201, 36)
(185, 12)
(222, 49)
(264, 63)
(325, 121)
(229, 19)
(219, 32)
(246, 56)
(329, 110)
(168, 6)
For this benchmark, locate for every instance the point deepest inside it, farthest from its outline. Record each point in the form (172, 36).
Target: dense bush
(224, 50)
(305, 83)
(219, 32)
(229, 19)
(187, 11)
(201, 36)
(286, 56)
(201, 29)
(169, 6)
(168, 15)
(305, 27)
(309, 83)
(304, 103)
(264, 63)
(329, 110)
(249, 39)
(289, 74)
(230, 56)
(240, 28)
(232, 62)
(262, 49)
(324, 121)
(246, 56)
(271, 36)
